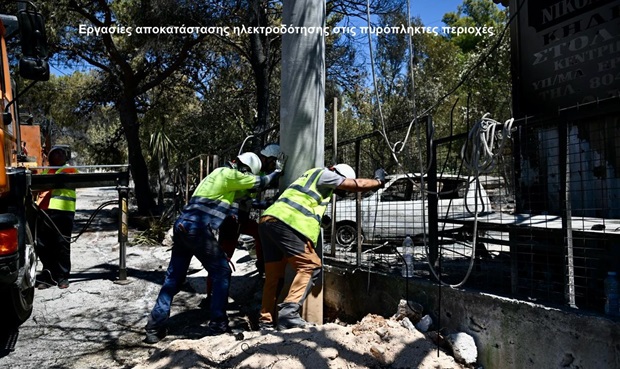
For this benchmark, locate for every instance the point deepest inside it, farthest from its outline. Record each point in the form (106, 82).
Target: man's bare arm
(360, 184)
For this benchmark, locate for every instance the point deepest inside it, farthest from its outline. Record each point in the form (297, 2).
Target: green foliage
(473, 13)
(154, 228)
(225, 88)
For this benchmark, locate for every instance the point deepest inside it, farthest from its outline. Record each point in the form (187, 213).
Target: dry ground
(97, 323)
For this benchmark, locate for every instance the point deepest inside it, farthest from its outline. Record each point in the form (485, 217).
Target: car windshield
(407, 189)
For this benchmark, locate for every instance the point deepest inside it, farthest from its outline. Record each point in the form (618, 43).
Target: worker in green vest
(215, 198)
(234, 225)
(55, 225)
(289, 230)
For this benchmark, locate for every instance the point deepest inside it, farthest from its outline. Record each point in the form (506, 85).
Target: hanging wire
(399, 146)
(374, 78)
(479, 157)
(482, 130)
(50, 222)
(480, 144)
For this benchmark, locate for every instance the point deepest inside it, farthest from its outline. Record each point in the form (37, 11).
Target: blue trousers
(192, 238)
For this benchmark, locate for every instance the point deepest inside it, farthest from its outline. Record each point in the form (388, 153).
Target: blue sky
(431, 11)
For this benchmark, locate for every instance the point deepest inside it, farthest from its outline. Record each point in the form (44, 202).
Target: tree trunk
(139, 170)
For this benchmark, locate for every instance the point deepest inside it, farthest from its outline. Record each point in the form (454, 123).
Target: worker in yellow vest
(289, 230)
(234, 225)
(55, 225)
(215, 198)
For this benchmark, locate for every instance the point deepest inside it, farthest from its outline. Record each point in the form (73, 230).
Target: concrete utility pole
(302, 104)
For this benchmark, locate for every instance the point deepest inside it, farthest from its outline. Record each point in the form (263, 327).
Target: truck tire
(17, 299)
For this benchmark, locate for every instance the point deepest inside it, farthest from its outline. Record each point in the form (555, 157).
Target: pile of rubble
(402, 341)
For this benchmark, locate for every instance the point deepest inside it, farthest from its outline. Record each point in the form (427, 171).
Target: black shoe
(63, 283)
(155, 335)
(43, 285)
(215, 328)
(266, 327)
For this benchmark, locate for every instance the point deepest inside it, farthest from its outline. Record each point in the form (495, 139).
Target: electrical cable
(483, 57)
(400, 145)
(51, 224)
(481, 159)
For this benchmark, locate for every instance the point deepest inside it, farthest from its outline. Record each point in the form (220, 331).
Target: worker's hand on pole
(380, 175)
(280, 162)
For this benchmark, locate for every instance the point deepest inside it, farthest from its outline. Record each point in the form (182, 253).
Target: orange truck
(17, 255)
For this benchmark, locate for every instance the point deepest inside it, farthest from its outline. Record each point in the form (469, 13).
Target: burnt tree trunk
(139, 171)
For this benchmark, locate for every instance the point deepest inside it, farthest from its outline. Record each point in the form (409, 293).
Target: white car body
(400, 208)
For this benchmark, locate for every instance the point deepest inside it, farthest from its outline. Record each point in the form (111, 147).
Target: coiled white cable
(477, 151)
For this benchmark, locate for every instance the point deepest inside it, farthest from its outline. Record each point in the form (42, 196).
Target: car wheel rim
(345, 235)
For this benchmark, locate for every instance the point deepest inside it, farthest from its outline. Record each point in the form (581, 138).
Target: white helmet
(271, 151)
(251, 160)
(345, 170)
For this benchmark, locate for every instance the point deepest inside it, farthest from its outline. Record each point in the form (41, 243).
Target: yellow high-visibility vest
(302, 205)
(216, 194)
(62, 198)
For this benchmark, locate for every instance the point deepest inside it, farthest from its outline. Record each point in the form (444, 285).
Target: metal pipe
(332, 240)
(358, 205)
(186, 182)
(85, 166)
(201, 168)
(123, 233)
(568, 217)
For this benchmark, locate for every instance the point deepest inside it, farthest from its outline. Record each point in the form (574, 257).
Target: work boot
(63, 283)
(288, 316)
(265, 326)
(155, 335)
(215, 328)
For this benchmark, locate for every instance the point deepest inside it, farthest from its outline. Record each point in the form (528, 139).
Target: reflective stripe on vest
(213, 198)
(62, 198)
(302, 206)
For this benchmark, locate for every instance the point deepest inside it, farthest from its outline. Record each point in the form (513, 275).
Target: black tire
(346, 233)
(18, 298)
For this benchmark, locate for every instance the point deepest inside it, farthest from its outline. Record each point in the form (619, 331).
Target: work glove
(280, 162)
(380, 175)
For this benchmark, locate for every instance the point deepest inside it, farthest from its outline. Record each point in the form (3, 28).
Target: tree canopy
(157, 99)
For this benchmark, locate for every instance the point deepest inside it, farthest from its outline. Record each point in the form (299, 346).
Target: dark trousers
(54, 248)
(193, 239)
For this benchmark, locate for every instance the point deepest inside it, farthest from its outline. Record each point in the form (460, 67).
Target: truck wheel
(17, 298)
(346, 233)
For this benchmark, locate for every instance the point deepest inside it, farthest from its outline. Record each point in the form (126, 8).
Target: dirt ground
(98, 323)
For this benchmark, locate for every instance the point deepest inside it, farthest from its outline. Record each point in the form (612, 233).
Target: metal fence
(535, 219)
(539, 224)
